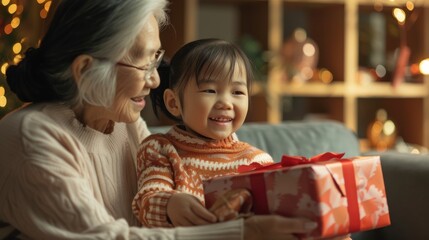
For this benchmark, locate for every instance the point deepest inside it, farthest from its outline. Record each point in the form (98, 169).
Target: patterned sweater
(178, 162)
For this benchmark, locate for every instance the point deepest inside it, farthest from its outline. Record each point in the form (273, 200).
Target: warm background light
(308, 49)
(15, 22)
(17, 47)
(3, 68)
(20, 28)
(12, 8)
(409, 5)
(400, 15)
(300, 35)
(3, 100)
(424, 66)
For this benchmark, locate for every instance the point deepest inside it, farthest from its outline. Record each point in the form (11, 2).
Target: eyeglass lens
(154, 65)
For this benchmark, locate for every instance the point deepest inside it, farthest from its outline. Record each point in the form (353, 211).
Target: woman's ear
(172, 103)
(79, 65)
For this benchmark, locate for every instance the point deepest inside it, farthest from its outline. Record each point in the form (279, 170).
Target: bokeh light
(12, 8)
(3, 68)
(309, 49)
(3, 101)
(400, 15)
(17, 58)
(15, 22)
(5, 2)
(389, 127)
(43, 14)
(47, 6)
(424, 66)
(380, 71)
(17, 47)
(8, 29)
(325, 75)
(409, 5)
(300, 35)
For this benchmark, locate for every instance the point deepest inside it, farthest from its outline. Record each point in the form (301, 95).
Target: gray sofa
(406, 176)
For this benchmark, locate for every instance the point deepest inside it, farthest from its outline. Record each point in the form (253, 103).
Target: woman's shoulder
(27, 113)
(24, 130)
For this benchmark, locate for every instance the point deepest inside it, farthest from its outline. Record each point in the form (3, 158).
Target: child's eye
(208, 91)
(238, 93)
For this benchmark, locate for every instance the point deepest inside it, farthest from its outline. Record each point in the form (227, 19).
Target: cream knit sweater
(61, 180)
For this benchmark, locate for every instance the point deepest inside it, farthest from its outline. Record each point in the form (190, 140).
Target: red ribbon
(258, 182)
(351, 193)
(289, 161)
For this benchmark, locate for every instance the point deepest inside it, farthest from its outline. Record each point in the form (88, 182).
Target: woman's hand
(278, 227)
(346, 237)
(185, 210)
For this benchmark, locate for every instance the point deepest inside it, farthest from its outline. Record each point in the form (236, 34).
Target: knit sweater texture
(62, 180)
(179, 161)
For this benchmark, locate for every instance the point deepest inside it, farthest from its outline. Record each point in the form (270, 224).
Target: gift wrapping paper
(341, 195)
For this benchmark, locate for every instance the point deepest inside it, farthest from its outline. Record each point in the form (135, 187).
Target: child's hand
(185, 210)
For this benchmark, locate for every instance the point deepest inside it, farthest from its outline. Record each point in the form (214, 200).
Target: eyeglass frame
(150, 68)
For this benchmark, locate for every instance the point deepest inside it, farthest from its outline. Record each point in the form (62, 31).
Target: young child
(207, 95)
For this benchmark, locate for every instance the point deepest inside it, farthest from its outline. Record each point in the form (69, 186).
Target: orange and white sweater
(178, 162)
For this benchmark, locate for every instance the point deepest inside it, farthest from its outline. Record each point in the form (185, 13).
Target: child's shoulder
(155, 137)
(160, 138)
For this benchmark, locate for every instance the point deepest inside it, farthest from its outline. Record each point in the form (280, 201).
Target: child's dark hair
(194, 60)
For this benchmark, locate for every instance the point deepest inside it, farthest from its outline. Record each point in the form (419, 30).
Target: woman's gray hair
(103, 29)
(98, 84)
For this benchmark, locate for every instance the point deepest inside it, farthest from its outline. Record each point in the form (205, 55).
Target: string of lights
(21, 25)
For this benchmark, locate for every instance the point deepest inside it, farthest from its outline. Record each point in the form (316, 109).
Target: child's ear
(172, 102)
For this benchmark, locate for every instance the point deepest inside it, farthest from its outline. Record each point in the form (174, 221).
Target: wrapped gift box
(341, 195)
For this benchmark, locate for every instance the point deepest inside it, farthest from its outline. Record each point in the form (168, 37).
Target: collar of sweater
(186, 140)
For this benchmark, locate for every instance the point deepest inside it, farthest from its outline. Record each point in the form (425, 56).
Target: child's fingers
(202, 215)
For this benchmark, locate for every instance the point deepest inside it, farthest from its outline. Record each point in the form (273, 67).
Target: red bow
(288, 161)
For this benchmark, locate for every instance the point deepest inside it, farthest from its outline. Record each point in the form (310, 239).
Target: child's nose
(224, 102)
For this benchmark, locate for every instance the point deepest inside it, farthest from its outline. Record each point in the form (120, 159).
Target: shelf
(338, 89)
(392, 3)
(405, 90)
(313, 89)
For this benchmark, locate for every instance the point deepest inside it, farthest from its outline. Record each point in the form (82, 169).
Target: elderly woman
(67, 167)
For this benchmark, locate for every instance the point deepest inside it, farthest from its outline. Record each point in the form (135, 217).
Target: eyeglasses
(150, 68)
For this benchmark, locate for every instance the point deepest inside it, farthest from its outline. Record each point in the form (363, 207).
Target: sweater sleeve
(155, 175)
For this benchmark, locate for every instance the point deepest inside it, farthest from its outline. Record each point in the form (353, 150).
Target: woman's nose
(153, 81)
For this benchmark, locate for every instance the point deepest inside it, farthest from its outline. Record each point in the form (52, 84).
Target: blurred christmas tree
(21, 26)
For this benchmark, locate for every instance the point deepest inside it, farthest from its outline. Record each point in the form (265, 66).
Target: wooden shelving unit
(334, 25)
